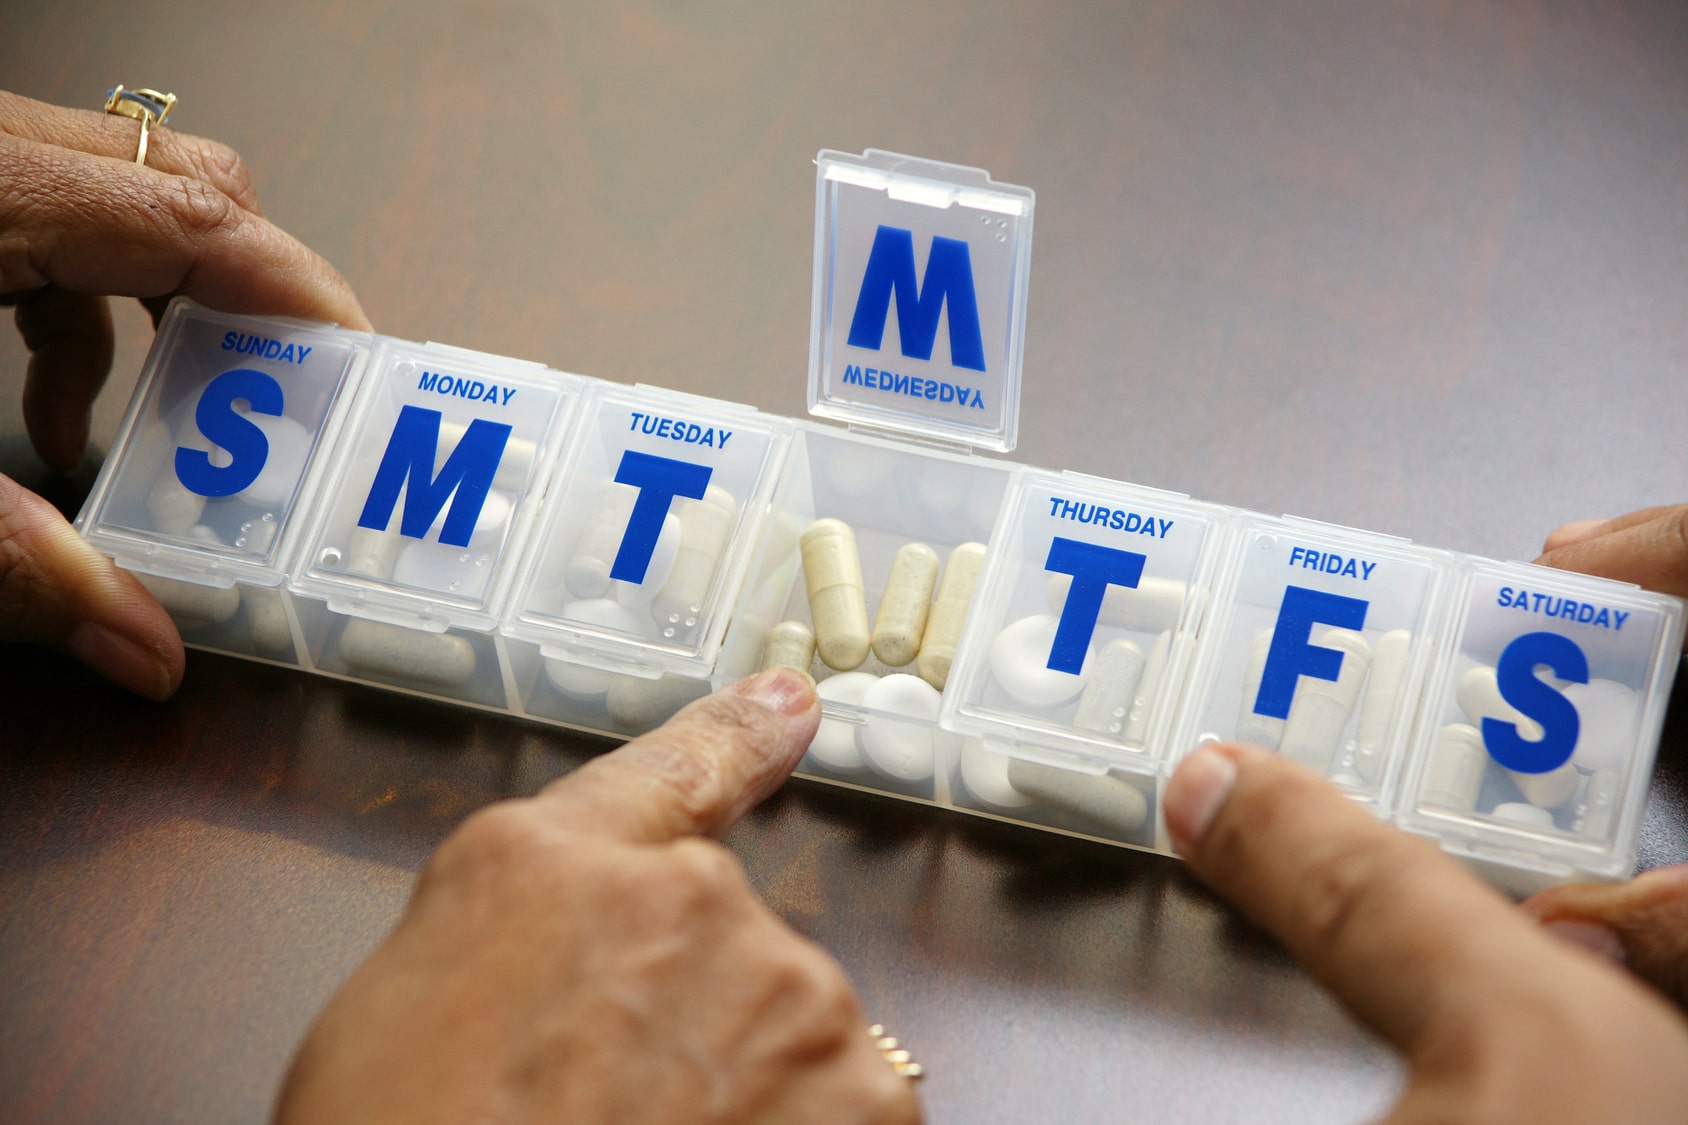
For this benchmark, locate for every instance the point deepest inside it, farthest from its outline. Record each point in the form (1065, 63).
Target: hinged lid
(920, 297)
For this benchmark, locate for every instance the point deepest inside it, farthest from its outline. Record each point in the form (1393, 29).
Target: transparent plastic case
(1317, 648)
(644, 541)
(1540, 723)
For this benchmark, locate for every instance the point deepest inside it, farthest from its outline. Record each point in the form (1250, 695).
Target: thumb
(57, 590)
(1647, 918)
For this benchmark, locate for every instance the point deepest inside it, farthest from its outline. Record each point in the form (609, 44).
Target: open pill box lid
(1588, 664)
(919, 308)
(430, 492)
(1084, 620)
(220, 445)
(646, 535)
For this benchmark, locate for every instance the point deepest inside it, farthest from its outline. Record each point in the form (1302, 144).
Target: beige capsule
(791, 644)
(706, 525)
(435, 659)
(949, 613)
(832, 575)
(1319, 714)
(901, 621)
(190, 604)
(588, 572)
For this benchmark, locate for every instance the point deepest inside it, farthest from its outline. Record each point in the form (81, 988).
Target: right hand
(1647, 547)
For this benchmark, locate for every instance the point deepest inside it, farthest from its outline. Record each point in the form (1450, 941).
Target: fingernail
(785, 690)
(1576, 531)
(1196, 793)
(1590, 935)
(119, 659)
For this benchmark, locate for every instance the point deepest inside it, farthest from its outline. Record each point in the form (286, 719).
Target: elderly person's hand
(587, 956)
(80, 220)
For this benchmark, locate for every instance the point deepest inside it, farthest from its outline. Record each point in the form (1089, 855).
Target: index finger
(1648, 548)
(699, 772)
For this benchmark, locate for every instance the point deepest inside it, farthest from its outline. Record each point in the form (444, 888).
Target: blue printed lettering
(949, 278)
(1094, 568)
(1536, 699)
(240, 437)
(689, 432)
(408, 465)
(1292, 655)
(1565, 609)
(265, 348)
(659, 480)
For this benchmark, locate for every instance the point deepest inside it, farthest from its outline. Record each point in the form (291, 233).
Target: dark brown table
(1419, 269)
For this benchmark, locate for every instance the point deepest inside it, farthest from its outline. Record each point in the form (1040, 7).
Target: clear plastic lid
(211, 462)
(920, 297)
(431, 490)
(1540, 724)
(1083, 620)
(648, 530)
(1316, 647)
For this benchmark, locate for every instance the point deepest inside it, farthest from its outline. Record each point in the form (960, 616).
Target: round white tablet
(1020, 663)
(986, 776)
(900, 747)
(576, 679)
(1520, 812)
(1606, 713)
(835, 743)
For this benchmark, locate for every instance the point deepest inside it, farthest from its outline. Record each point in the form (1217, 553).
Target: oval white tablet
(290, 445)
(578, 680)
(442, 569)
(1606, 713)
(986, 776)
(835, 742)
(1020, 663)
(662, 562)
(900, 747)
(1518, 812)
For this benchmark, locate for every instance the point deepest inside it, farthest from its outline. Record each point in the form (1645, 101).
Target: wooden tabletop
(1421, 269)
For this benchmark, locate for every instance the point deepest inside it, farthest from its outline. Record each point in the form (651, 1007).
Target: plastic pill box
(1030, 645)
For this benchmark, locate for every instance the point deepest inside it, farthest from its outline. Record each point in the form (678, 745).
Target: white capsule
(377, 649)
(1142, 703)
(1533, 816)
(1457, 766)
(661, 566)
(949, 613)
(1020, 662)
(190, 604)
(266, 619)
(1389, 666)
(514, 464)
(587, 574)
(896, 739)
(1550, 789)
(1478, 695)
(901, 621)
(579, 680)
(1106, 703)
(1261, 730)
(835, 744)
(985, 774)
(832, 577)
(1152, 606)
(284, 465)
(1606, 713)
(1107, 804)
(705, 527)
(372, 553)
(1600, 803)
(637, 704)
(791, 644)
(1319, 715)
(173, 507)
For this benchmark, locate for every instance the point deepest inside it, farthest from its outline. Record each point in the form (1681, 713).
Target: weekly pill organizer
(1035, 646)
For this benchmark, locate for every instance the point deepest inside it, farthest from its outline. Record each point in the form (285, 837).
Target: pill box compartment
(879, 730)
(1075, 652)
(641, 547)
(202, 494)
(1318, 647)
(408, 559)
(1591, 663)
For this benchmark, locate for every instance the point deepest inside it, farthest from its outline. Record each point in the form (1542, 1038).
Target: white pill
(832, 577)
(901, 621)
(266, 619)
(1457, 765)
(441, 569)
(1020, 663)
(835, 743)
(580, 680)
(791, 644)
(514, 464)
(1389, 666)
(896, 739)
(1606, 713)
(661, 566)
(1142, 703)
(985, 774)
(1106, 703)
(377, 649)
(637, 704)
(284, 466)
(587, 574)
(1478, 695)
(173, 508)
(1319, 715)
(705, 527)
(372, 553)
(1518, 813)
(1107, 804)
(1550, 789)
(949, 613)
(190, 604)
(1152, 606)
(1261, 730)
(490, 522)
(1600, 803)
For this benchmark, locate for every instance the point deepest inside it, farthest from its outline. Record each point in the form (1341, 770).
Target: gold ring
(901, 1061)
(149, 107)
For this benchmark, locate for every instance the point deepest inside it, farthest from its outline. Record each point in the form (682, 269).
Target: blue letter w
(949, 274)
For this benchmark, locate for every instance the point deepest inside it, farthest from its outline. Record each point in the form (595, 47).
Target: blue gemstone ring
(149, 107)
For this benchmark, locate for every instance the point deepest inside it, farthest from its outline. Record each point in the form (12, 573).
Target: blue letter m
(949, 275)
(409, 464)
